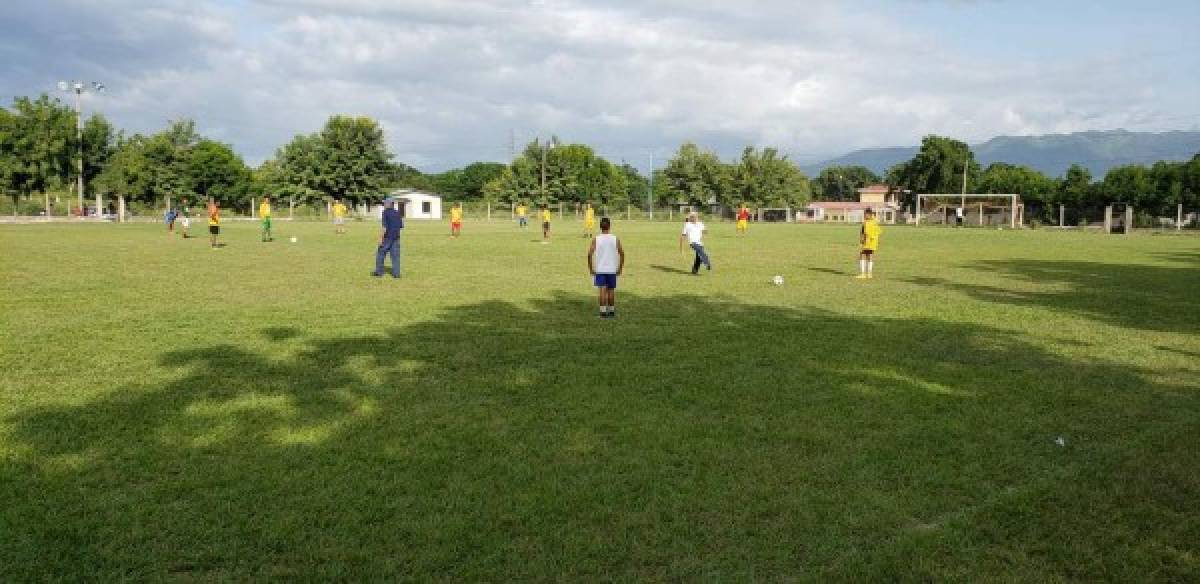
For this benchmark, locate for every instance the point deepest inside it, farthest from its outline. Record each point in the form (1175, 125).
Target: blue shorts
(606, 281)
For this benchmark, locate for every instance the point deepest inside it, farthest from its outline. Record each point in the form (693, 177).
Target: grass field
(269, 411)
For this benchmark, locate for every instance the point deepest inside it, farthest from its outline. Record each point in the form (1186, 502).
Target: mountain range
(1051, 153)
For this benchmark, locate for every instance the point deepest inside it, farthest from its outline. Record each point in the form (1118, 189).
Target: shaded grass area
(294, 419)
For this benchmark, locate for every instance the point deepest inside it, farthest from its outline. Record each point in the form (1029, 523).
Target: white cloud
(450, 79)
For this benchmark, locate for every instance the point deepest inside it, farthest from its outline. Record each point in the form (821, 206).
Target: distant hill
(1052, 153)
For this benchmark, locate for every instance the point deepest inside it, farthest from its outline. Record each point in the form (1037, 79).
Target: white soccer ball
(294, 240)
(777, 280)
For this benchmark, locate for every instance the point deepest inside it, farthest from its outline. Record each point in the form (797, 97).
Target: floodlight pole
(545, 149)
(78, 88)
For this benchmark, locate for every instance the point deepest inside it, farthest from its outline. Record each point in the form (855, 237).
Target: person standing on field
(693, 233)
(522, 211)
(545, 224)
(456, 214)
(869, 238)
(264, 213)
(743, 219)
(606, 261)
(589, 221)
(389, 241)
(214, 223)
(339, 216)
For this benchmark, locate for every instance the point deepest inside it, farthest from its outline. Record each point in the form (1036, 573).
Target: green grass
(268, 411)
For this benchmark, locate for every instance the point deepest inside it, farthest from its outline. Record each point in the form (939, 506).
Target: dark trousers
(388, 246)
(701, 258)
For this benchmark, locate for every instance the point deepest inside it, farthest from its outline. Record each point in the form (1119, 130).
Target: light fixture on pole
(78, 87)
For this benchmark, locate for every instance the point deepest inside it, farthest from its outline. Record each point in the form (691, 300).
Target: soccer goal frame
(1016, 210)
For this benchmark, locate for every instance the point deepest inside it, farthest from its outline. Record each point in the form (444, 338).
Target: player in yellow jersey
(214, 223)
(264, 213)
(456, 220)
(589, 221)
(339, 216)
(545, 224)
(743, 219)
(869, 238)
(522, 211)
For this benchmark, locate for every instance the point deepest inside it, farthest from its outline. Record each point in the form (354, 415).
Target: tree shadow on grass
(694, 438)
(1146, 297)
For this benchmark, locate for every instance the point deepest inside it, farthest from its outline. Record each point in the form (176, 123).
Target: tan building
(878, 194)
(878, 198)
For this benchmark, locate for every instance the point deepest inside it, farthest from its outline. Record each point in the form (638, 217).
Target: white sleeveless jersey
(606, 260)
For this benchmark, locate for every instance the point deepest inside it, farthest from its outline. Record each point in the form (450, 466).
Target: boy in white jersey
(693, 234)
(606, 261)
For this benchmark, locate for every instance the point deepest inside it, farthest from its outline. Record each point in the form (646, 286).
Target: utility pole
(650, 194)
(78, 87)
(962, 203)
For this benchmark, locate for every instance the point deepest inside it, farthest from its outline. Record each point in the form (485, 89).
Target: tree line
(349, 158)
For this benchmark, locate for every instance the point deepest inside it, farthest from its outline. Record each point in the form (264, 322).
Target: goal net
(970, 210)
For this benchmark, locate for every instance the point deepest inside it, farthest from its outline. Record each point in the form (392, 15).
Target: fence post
(1128, 219)
(1108, 219)
(253, 206)
(489, 210)
(291, 207)
(560, 210)
(788, 210)
(1062, 215)
(1179, 217)
(627, 213)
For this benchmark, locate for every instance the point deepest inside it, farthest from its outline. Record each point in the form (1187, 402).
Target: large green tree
(573, 173)
(840, 183)
(696, 177)
(348, 158)
(214, 171)
(1037, 190)
(354, 159)
(41, 140)
(466, 183)
(937, 168)
(767, 178)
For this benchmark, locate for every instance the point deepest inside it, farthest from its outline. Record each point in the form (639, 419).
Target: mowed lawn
(268, 411)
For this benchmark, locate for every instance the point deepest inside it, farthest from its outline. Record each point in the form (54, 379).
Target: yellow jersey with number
(264, 210)
(339, 210)
(870, 234)
(521, 211)
(455, 215)
(589, 215)
(546, 216)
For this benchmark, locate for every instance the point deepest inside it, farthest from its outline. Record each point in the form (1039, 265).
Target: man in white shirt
(693, 232)
(606, 261)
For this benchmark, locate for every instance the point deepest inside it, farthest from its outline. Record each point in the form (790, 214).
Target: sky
(455, 81)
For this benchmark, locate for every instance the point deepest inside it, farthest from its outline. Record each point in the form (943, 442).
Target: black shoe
(376, 275)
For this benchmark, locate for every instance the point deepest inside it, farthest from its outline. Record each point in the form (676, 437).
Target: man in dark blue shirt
(389, 242)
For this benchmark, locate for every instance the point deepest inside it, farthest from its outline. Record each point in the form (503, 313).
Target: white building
(415, 204)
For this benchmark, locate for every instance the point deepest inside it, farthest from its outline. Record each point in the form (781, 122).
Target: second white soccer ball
(777, 280)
